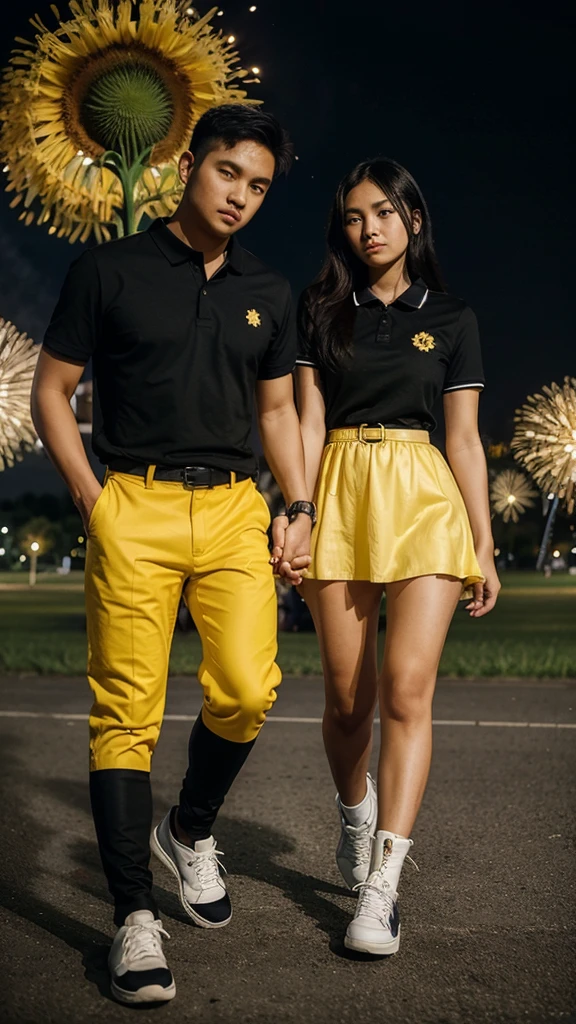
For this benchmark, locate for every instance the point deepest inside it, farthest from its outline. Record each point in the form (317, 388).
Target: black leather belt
(190, 477)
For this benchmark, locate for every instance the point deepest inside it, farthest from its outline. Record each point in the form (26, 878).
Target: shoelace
(206, 866)
(358, 843)
(143, 940)
(375, 898)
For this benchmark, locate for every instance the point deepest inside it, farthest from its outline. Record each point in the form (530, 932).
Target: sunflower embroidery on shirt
(423, 341)
(253, 317)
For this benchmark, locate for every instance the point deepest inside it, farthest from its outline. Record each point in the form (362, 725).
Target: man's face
(228, 187)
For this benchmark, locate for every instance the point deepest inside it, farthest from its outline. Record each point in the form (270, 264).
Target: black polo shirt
(175, 357)
(404, 356)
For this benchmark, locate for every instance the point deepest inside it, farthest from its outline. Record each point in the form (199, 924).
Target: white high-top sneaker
(197, 868)
(353, 852)
(138, 969)
(375, 927)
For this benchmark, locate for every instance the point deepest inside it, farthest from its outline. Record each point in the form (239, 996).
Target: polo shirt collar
(413, 298)
(177, 251)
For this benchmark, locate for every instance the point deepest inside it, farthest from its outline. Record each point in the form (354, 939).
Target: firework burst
(18, 355)
(545, 439)
(511, 494)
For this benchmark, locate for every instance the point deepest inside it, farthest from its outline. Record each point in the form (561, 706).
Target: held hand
(485, 594)
(279, 527)
(296, 554)
(85, 503)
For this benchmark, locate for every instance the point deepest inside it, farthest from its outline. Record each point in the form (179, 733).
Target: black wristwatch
(307, 508)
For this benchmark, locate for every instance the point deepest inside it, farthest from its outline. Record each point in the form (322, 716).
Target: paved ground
(488, 923)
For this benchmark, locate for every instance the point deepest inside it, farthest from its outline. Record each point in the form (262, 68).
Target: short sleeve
(280, 355)
(73, 330)
(465, 368)
(306, 355)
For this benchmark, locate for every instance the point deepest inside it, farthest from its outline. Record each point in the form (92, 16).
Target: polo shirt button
(204, 292)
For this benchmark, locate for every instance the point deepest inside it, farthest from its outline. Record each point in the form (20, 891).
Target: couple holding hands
(187, 331)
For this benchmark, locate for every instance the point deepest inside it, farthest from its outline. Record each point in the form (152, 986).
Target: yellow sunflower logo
(423, 341)
(97, 111)
(253, 318)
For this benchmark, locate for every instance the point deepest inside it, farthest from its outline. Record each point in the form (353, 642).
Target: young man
(183, 326)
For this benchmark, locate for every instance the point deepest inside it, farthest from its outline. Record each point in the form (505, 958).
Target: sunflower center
(127, 108)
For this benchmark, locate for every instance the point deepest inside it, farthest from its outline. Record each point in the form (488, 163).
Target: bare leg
(418, 614)
(346, 618)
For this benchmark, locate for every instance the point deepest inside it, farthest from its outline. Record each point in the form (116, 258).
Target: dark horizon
(478, 115)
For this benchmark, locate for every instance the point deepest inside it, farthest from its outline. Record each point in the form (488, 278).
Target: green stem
(128, 175)
(128, 209)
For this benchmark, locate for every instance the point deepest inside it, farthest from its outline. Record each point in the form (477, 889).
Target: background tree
(41, 531)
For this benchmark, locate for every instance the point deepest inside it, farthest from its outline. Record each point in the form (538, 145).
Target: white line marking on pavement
(74, 717)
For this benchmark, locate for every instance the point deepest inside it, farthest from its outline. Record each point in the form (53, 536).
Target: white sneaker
(197, 868)
(138, 969)
(353, 852)
(375, 927)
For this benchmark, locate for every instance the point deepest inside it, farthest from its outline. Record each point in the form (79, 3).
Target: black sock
(122, 809)
(213, 764)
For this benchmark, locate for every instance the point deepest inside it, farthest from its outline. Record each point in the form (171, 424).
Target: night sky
(474, 101)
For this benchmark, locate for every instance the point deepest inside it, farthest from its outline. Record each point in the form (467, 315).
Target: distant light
(572, 551)
(511, 499)
(34, 546)
(231, 39)
(80, 152)
(22, 558)
(3, 551)
(496, 552)
(87, 161)
(74, 552)
(550, 496)
(255, 71)
(219, 14)
(556, 554)
(4, 529)
(80, 540)
(296, 157)
(252, 9)
(190, 11)
(5, 169)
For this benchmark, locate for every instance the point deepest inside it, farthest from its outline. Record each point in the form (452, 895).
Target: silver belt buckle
(189, 483)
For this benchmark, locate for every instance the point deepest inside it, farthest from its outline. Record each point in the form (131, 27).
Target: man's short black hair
(236, 122)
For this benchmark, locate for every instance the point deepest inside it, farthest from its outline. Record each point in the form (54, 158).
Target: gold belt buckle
(365, 440)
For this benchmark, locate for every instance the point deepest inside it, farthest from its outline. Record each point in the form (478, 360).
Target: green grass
(531, 633)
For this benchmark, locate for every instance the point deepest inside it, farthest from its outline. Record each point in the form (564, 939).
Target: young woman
(380, 341)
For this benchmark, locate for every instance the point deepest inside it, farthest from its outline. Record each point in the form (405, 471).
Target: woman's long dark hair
(327, 309)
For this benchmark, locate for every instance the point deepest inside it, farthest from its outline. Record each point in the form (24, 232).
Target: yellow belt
(365, 433)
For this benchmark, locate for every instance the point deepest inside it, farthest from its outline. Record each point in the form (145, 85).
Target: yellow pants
(148, 541)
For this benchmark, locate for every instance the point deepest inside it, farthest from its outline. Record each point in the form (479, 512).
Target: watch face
(306, 507)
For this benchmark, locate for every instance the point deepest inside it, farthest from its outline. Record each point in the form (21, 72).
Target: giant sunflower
(97, 111)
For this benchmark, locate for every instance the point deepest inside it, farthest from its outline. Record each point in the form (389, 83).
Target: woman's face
(373, 227)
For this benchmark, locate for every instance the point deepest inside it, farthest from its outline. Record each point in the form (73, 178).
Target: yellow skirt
(390, 510)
